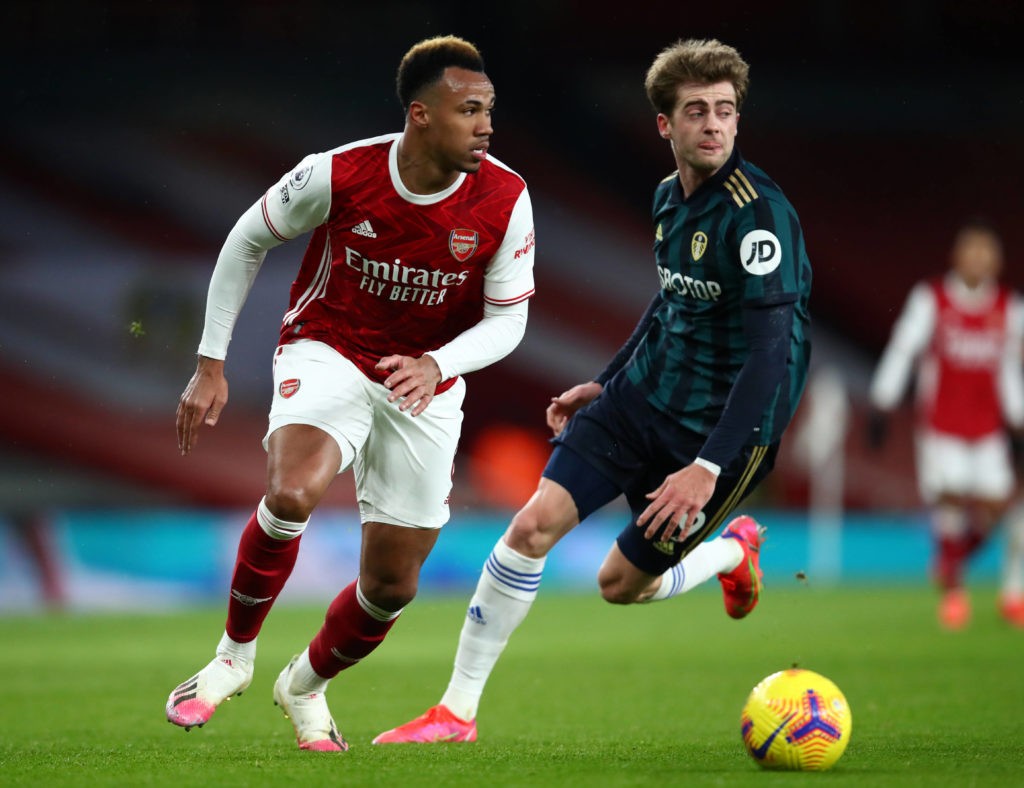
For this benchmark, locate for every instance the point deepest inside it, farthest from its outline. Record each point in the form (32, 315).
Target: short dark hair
(425, 62)
(978, 224)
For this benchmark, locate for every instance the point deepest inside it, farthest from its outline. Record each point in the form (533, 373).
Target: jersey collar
(405, 194)
(710, 186)
(976, 299)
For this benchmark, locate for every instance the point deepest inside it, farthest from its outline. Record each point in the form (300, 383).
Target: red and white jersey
(388, 271)
(968, 345)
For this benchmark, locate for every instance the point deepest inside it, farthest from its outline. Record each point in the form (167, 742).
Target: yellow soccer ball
(796, 720)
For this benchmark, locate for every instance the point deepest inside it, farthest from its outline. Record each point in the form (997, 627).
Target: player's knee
(617, 594)
(527, 535)
(294, 503)
(390, 591)
(615, 589)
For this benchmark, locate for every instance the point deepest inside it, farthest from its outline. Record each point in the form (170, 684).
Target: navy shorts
(620, 444)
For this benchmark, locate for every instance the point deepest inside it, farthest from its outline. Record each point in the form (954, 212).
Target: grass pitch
(586, 694)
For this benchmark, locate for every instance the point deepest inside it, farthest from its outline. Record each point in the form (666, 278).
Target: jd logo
(760, 252)
(698, 245)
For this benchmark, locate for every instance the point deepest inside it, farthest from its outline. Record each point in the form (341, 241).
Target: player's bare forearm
(412, 380)
(202, 401)
(568, 402)
(677, 502)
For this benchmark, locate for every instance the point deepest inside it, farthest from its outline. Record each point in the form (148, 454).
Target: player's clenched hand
(413, 381)
(202, 401)
(677, 502)
(568, 402)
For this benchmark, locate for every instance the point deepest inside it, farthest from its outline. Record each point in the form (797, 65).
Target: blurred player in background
(686, 419)
(962, 332)
(33, 528)
(1011, 597)
(418, 271)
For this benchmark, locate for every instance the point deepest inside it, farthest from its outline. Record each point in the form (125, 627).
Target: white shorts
(402, 464)
(950, 465)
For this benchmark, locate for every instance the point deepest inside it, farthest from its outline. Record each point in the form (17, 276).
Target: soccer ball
(796, 720)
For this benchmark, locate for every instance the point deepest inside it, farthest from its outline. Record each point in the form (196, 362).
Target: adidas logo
(364, 228)
(476, 615)
(668, 548)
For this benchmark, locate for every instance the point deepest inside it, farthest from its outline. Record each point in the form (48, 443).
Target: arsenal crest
(462, 244)
(289, 387)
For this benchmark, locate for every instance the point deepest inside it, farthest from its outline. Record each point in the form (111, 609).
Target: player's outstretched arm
(202, 401)
(677, 502)
(568, 402)
(413, 380)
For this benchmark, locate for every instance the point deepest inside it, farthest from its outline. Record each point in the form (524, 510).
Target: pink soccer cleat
(954, 609)
(742, 586)
(194, 701)
(438, 725)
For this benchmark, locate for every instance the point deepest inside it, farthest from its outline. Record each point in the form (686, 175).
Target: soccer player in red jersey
(963, 334)
(418, 271)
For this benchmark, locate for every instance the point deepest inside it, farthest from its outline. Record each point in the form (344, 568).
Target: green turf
(586, 694)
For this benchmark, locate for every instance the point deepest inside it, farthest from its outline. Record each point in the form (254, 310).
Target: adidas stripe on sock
(704, 562)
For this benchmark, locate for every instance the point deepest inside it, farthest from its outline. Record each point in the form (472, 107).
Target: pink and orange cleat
(742, 586)
(438, 725)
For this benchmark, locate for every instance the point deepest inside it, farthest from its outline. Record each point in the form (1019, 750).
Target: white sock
(705, 561)
(232, 649)
(1013, 561)
(304, 680)
(506, 589)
